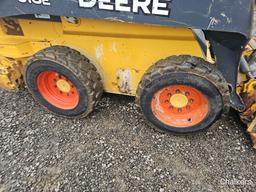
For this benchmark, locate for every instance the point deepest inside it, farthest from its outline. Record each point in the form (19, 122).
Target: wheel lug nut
(188, 107)
(191, 100)
(177, 91)
(169, 94)
(187, 93)
(166, 101)
(179, 110)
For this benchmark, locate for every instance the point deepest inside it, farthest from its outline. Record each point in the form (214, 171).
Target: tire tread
(186, 64)
(79, 65)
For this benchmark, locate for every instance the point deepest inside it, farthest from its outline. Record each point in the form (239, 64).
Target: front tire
(182, 94)
(63, 81)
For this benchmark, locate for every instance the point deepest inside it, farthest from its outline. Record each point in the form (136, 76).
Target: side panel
(122, 52)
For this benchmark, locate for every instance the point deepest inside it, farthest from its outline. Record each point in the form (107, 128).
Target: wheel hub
(63, 86)
(178, 100)
(58, 90)
(180, 106)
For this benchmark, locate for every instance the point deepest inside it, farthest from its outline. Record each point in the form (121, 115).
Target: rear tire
(63, 81)
(182, 94)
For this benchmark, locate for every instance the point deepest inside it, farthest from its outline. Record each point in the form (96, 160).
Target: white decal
(87, 3)
(141, 4)
(105, 5)
(121, 5)
(37, 2)
(148, 7)
(154, 7)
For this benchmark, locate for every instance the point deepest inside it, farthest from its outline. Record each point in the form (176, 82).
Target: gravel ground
(114, 150)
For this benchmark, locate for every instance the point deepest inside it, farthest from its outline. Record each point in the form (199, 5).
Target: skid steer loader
(186, 62)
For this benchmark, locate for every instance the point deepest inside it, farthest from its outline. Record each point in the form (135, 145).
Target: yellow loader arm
(247, 89)
(248, 116)
(252, 131)
(248, 95)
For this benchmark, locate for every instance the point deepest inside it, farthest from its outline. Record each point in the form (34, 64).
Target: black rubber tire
(185, 70)
(76, 68)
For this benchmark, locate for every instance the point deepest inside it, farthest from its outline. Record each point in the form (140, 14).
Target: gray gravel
(114, 150)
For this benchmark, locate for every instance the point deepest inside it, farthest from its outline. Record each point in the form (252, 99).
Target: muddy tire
(63, 81)
(182, 94)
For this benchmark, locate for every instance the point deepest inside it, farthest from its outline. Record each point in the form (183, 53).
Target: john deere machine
(186, 62)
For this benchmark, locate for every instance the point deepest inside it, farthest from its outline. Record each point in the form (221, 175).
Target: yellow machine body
(10, 73)
(122, 52)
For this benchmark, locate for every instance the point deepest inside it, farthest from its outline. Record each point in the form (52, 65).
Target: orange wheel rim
(57, 90)
(180, 106)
